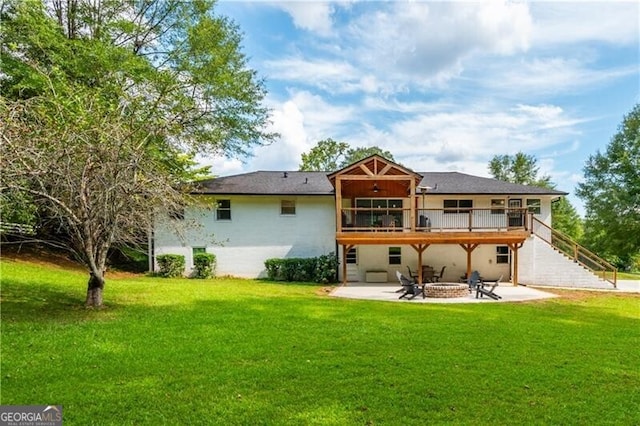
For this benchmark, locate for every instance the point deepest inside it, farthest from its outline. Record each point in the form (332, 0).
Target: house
(379, 217)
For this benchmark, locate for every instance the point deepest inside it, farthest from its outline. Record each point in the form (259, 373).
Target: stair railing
(556, 239)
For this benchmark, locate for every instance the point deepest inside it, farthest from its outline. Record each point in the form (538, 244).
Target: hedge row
(321, 269)
(173, 265)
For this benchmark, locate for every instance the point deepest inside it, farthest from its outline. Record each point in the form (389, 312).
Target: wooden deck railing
(576, 252)
(433, 220)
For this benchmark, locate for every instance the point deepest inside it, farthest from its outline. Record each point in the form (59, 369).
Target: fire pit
(446, 290)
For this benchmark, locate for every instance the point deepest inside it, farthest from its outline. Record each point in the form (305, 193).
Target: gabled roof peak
(375, 166)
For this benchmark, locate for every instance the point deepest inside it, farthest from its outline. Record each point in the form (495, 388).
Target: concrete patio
(387, 292)
(509, 293)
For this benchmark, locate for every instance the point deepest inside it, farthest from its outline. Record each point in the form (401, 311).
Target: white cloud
(222, 166)
(551, 75)
(302, 121)
(429, 41)
(312, 16)
(284, 153)
(403, 45)
(320, 116)
(319, 72)
(467, 138)
(569, 23)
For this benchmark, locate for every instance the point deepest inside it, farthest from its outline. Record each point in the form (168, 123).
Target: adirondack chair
(409, 288)
(473, 281)
(487, 287)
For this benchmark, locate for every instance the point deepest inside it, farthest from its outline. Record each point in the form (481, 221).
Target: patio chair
(438, 277)
(487, 287)
(412, 275)
(409, 288)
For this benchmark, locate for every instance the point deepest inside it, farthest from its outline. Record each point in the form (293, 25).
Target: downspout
(150, 250)
(337, 263)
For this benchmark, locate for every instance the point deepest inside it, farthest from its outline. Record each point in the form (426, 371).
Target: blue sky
(444, 86)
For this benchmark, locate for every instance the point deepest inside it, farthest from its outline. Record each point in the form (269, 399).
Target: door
(515, 212)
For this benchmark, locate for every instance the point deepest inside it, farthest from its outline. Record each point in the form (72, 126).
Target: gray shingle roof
(460, 183)
(317, 183)
(269, 183)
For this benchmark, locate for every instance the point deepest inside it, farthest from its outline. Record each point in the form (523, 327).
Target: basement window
(287, 207)
(502, 254)
(395, 256)
(197, 250)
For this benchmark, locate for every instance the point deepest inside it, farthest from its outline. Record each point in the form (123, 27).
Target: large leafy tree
(104, 106)
(356, 154)
(186, 61)
(523, 169)
(325, 156)
(83, 162)
(611, 191)
(330, 155)
(519, 168)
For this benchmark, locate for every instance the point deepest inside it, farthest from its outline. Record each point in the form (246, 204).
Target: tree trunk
(94, 291)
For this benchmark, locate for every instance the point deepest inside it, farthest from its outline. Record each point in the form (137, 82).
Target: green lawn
(247, 352)
(628, 276)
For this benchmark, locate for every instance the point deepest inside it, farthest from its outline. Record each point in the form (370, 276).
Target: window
(197, 250)
(379, 212)
(497, 206)
(533, 205)
(502, 254)
(352, 256)
(395, 256)
(287, 207)
(223, 211)
(458, 206)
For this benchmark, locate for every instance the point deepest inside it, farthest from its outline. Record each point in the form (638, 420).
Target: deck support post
(469, 248)
(514, 248)
(420, 248)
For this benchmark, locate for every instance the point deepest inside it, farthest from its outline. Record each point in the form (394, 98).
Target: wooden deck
(412, 238)
(420, 241)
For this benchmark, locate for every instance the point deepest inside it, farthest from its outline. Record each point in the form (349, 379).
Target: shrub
(320, 269)
(326, 267)
(204, 265)
(170, 265)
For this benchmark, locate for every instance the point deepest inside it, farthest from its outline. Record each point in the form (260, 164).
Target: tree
(520, 168)
(357, 154)
(85, 167)
(566, 219)
(325, 156)
(186, 61)
(329, 155)
(611, 191)
(523, 169)
(104, 106)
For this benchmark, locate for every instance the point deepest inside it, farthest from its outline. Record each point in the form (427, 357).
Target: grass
(628, 276)
(238, 352)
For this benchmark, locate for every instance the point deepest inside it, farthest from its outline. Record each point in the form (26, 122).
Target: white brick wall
(256, 232)
(541, 264)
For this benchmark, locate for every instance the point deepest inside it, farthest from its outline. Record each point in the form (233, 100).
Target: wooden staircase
(573, 251)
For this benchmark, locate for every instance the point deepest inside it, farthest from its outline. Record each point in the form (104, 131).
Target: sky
(443, 86)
